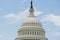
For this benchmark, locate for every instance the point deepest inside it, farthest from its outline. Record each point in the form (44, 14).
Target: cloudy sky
(13, 12)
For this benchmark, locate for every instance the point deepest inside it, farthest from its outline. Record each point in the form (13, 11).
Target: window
(35, 33)
(30, 33)
(39, 33)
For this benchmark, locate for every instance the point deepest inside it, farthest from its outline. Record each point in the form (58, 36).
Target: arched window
(30, 33)
(35, 33)
(39, 33)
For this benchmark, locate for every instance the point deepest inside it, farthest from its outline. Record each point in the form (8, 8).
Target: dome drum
(31, 38)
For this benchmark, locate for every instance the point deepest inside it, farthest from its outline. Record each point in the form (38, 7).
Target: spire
(31, 10)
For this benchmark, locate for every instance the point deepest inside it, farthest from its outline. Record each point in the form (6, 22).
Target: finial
(31, 5)
(31, 10)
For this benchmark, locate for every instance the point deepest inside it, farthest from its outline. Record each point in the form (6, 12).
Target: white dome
(31, 28)
(31, 21)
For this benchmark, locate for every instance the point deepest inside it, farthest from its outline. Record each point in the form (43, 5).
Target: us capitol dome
(31, 28)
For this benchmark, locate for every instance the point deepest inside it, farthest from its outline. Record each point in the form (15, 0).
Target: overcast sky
(13, 12)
